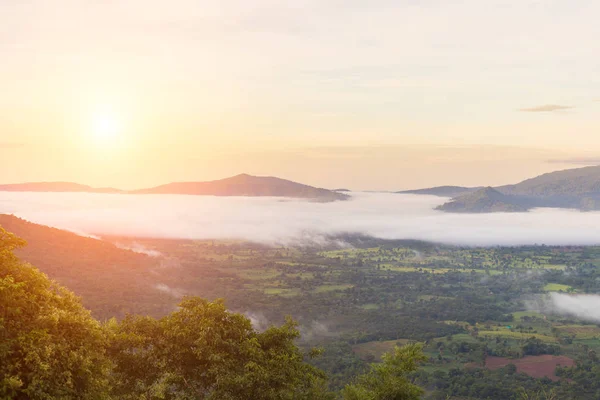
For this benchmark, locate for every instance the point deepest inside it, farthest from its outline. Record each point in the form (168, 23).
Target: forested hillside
(478, 313)
(52, 348)
(111, 281)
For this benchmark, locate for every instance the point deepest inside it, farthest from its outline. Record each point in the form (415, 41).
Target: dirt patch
(534, 366)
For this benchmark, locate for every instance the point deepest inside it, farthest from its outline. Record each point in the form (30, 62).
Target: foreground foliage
(204, 351)
(390, 379)
(51, 348)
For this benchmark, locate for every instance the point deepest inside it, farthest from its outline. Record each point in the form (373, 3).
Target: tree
(203, 351)
(50, 346)
(389, 380)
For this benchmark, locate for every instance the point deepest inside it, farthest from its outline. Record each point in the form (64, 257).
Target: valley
(476, 310)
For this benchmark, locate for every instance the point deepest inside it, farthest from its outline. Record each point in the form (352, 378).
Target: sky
(376, 95)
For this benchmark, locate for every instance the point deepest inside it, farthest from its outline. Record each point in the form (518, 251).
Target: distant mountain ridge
(577, 188)
(483, 201)
(239, 185)
(247, 185)
(442, 191)
(577, 181)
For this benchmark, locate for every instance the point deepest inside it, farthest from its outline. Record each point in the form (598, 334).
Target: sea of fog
(288, 221)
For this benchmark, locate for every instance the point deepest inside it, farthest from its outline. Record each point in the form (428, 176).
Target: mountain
(247, 185)
(485, 200)
(577, 188)
(569, 182)
(239, 185)
(55, 187)
(442, 191)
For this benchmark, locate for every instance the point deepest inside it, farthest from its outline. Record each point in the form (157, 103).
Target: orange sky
(138, 93)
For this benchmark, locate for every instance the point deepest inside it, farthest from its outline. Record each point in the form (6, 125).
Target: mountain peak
(484, 200)
(249, 186)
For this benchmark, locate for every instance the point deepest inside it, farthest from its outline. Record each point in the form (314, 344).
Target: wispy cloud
(582, 306)
(577, 161)
(547, 108)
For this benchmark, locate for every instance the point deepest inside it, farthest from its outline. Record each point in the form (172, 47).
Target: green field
(518, 335)
(520, 314)
(556, 287)
(332, 288)
(372, 351)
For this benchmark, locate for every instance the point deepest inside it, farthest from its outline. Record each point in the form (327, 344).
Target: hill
(577, 188)
(569, 182)
(484, 201)
(442, 191)
(247, 185)
(239, 185)
(110, 280)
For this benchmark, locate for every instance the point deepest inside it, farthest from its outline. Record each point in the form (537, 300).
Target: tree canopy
(203, 351)
(389, 380)
(51, 348)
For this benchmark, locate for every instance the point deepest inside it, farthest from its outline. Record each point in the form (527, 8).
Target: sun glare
(106, 128)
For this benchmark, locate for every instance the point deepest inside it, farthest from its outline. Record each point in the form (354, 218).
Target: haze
(368, 95)
(286, 221)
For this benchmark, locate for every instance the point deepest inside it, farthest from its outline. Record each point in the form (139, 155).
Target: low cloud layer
(585, 307)
(285, 221)
(546, 108)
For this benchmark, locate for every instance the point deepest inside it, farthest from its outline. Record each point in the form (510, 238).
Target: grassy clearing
(303, 275)
(258, 274)
(556, 287)
(332, 288)
(520, 314)
(350, 252)
(460, 337)
(552, 266)
(580, 331)
(372, 351)
(416, 269)
(517, 335)
(370, 306)
(285, 292)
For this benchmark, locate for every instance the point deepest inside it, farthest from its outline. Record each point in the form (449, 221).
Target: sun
(106, 128)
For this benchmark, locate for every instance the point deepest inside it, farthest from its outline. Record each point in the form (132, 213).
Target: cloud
(577, 161)
(308, 331)
(314, 330)
(258, 320)
(138, 248)
(277, 221)
(168, 290)
(547, 108)
(585, 307)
